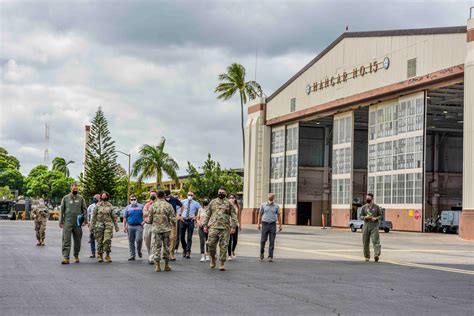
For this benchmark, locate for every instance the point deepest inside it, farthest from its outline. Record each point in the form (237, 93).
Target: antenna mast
(46, 144)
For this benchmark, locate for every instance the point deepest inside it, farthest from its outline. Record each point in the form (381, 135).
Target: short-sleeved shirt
(202, 214)
(90, 211)
(146, 209)
(269, 212)
(134, 214)
(189, 209)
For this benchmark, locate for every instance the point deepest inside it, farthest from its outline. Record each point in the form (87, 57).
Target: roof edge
(401, 32)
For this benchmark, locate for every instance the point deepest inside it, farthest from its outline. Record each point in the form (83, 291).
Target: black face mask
(153, 197)
(221, 195)
(74, 192)
(205, 203)
(105, 199)
(369, 201)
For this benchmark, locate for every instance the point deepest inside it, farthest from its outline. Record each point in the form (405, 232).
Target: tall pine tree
(100, 170)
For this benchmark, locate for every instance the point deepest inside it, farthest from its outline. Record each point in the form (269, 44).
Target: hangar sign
(340, 78)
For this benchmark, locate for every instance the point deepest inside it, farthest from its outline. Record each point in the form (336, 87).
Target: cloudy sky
(153, 65)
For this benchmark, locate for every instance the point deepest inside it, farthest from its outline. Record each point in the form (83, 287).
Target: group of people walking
(161, 224)
(164, 221)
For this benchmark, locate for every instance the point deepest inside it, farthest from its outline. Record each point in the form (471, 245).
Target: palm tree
(153, 162)
(232, 82)
(60, 164)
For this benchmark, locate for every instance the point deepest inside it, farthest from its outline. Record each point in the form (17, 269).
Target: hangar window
(278, 141)
(291, 166)
(395, 151)
(411, 68)
(388, 189)
(277, 189)
(293, 105)
(276, 165)
(290, 192)
(371, 185)
(292, 138)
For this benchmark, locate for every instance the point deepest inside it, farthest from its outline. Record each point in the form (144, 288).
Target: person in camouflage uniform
(40, 215)
(220, 222)
(103, 218)
(163, 219)
(73, 208)
(370, 214)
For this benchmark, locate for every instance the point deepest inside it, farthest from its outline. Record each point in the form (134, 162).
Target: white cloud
(40, 46)
(156, 76)
(12, 72)
(134, 71)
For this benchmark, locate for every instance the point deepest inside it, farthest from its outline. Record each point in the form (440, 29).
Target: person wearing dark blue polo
(187, 215)
(133, 226)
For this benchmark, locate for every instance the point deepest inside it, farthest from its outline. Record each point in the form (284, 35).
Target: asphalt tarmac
(315, 272)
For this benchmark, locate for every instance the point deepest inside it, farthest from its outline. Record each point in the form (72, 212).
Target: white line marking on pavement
(358, 258)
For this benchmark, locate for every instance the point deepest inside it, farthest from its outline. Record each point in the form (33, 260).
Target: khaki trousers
(147, 238)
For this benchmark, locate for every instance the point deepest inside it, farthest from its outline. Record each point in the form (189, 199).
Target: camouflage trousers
(103, 239)
(40, 228)
(161, 241)
(218, 235)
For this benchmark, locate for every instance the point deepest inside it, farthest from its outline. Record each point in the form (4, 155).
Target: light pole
(128, 185)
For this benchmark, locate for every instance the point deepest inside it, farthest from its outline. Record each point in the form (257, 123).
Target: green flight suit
(72, 206)
(102, 223)
(221, 216)
(370, 229)
(163, 219)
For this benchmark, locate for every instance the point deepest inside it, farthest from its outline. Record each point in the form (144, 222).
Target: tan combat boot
(65, 261)
(221, 267)
(42, 242)
(76, 259)
(213, 262)
(107, 258)
(167, 265)
(38, 243)
(157, 266)
(99, 257)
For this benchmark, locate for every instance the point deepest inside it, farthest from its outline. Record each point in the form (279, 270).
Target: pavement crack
(333, 310)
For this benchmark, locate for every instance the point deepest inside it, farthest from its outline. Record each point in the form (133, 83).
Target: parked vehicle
(7, 209)
(119, 211)
(450, 221)
(355, 224)
(433, 225)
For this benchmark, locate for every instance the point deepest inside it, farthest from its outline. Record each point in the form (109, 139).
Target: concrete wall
(404, 219)
(433, 53)
(289, 216)
(257, 158)
(340, 217)
(466, 221)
